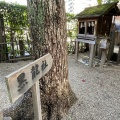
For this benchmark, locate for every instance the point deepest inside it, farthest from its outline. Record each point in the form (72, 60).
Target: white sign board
(21, 80)
(104, 44)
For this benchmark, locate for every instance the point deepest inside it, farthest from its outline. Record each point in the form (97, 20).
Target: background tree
(71, 31)
(71, 26)
(99, 2)
(47, 20)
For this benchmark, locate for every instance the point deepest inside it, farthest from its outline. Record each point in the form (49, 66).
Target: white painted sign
(104, 44)
(21, 80)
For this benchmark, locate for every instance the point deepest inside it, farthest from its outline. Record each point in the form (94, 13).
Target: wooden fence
(15, 45)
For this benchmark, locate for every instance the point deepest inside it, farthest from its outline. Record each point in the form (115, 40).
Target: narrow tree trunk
(48, 31)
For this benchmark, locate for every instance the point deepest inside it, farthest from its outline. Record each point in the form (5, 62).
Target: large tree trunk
(48, 31)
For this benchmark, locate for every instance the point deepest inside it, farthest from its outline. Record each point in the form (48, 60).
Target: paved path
(98, 93)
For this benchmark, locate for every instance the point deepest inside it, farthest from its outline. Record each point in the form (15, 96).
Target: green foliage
(15, 15)
(95, 10)
(70, 17)
(71, 31)
(37, 18)
(15, 22)
(99, 2)
(106, 1)
(71, 26)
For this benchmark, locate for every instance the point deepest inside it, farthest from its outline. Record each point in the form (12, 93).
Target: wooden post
(21, 46)
(103, 58)
(1, 115)
(85, 27)
(112, 37)
(36, 101)
(12, 43)
(91, 55)
(95, 29)
(77, 50)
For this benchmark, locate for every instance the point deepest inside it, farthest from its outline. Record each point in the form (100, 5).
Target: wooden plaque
(21, 80)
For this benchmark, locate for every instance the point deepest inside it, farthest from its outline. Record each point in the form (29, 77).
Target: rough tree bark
(48, 31)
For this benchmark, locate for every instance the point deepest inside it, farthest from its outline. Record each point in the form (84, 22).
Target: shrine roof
(99, 10)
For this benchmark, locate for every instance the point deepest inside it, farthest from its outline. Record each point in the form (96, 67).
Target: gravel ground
(6, 69)
(98, 93)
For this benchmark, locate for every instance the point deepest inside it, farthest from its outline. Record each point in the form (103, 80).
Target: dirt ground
(6, 69)
(98, 92)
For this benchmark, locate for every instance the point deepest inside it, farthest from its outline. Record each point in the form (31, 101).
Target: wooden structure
(19, 46)
(3, 46)
(94, 23)
(28, 77)
(114, 54)
(15, 43)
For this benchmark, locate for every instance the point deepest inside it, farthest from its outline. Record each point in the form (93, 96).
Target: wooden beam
(95, 29)
(77, 50)
(103, 58)
(112, 43)
(1, 115)
(20, 58)
(91, 55)
(36, 101)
